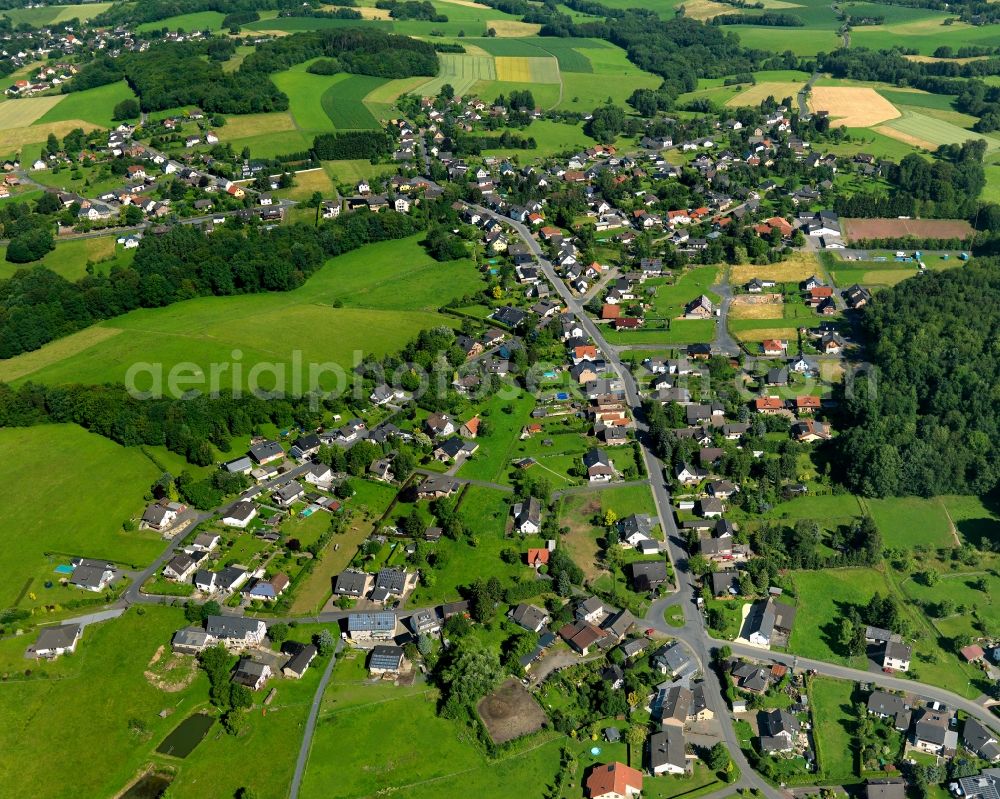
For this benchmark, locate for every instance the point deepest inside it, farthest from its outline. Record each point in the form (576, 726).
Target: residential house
(931, 731)
(180, 567)
(613, 781)
(981, 741)
(600, 469)
(648, 575)
(251, 674)
(302, 655)
(386, 660)
(529, 617)
(779, 730)
(527, 516)
(668, 752)
(266, 451)
(240, 514)
(55, 641)
(581, 635)
(378, 626)
(890, 706)
(236, 632)
(673, 660)
(774, 622)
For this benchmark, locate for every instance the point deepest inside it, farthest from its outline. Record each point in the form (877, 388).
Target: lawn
(349, 758)
(485, 512)
(977, 519)
(909, 521)
(72, 504)
(93, 105)
(833, 714)
(504, 417)
(305, 92)
(390, 291)
(822, 597)
(98, 690)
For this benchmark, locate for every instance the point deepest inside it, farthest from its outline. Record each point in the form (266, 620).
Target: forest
(38, 306)
(925, 418)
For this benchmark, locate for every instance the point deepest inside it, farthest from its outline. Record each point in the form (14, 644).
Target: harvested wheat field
(756, 306)
(21, 113)
(852, 106)
(799, 266)
(466, 3)
(929, 59)
(765, 333)
(373, 13)
(512, 28)
(779, 90)
(15, 138)
(906, 138)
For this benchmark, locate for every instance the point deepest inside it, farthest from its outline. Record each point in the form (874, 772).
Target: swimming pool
(562, 395)
(64, 569)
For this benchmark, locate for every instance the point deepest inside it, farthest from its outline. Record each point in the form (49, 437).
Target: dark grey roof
(386, 657)
(231, 626)
(300, 661)
(351, 583)
(371, 622)
(667, 746)
(59, 637)
(265, 450)
(391, 580)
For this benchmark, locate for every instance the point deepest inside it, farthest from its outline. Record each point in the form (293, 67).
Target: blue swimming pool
(64, 569)
(562, 395)
(550, 373)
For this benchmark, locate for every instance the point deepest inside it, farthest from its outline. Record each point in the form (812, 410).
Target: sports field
(461, 70)
(390, 291)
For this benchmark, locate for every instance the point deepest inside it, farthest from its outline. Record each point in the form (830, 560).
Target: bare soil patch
(172, 673)
(885, 228)
(510, 712)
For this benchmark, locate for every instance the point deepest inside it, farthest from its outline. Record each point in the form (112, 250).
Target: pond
(150, 786)
(186, 735)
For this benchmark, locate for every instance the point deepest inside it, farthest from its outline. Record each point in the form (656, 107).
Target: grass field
(48, 15)
(344, 103)
(93, 105)
(822, 596)
(833, 712)
(347, 759)
(71, 506)
(909, 521)
(305, 92)
(527, 70)
(196, 21)
(925, 131)
(461, 71)
(761, 91)
(390, 291)
(977, 519)
(918, 99)
(70, 258)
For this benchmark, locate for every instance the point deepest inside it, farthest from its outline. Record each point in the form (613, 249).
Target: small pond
(186, 735)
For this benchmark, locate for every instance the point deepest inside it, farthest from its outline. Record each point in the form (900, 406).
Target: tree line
(38, 306)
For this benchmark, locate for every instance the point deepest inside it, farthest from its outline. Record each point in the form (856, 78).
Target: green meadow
(93, 105)
(389, 292)
(196, 21)
(66, 494)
